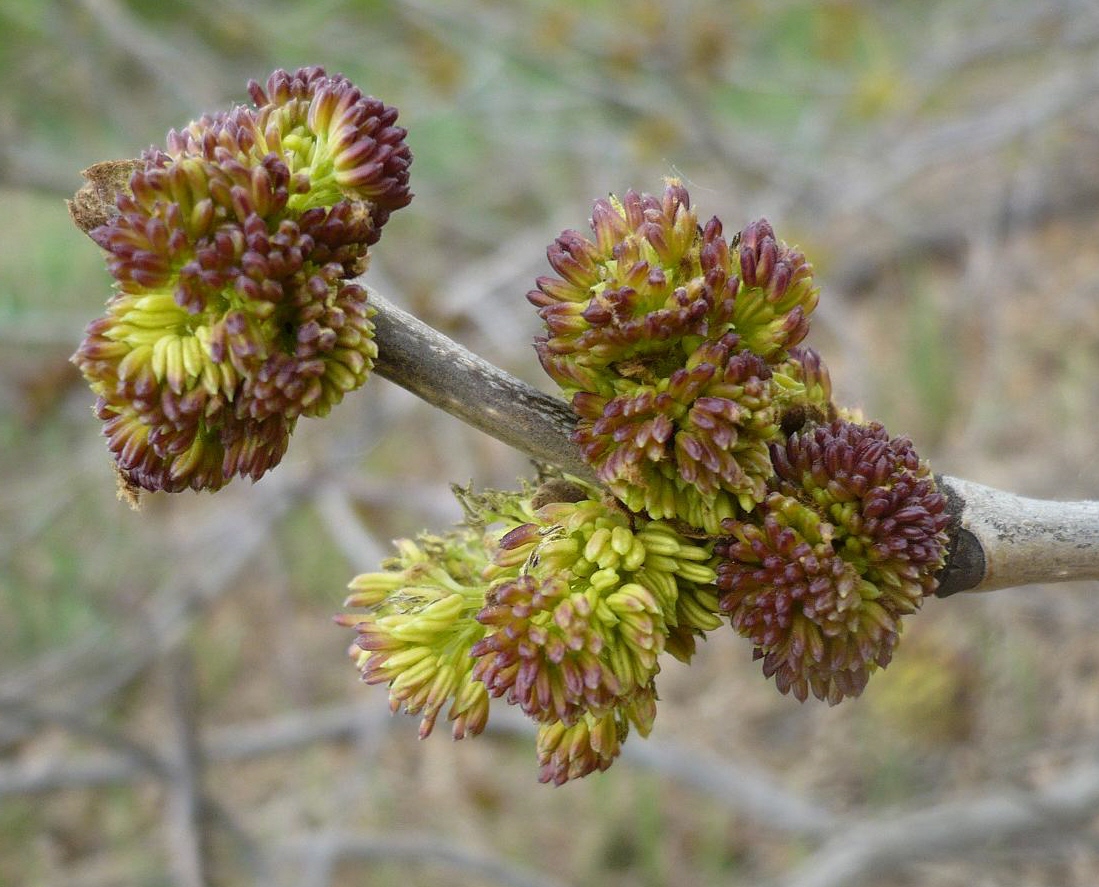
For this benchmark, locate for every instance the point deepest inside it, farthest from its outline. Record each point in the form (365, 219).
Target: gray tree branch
(998, 539)
(424, 361)
(887, 842)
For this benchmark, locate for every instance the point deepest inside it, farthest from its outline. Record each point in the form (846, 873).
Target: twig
(127, 760)
(183, 817)
(113, 660)
(1000, 539)
(446, 375)
(126, 755)
(747, 790)
(1004, 540)
(884, 843)
(361, 550)
(324, 849)
(853, 850)
(911, 154)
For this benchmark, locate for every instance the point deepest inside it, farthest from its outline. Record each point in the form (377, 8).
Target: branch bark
(998, 539)
(424, 361)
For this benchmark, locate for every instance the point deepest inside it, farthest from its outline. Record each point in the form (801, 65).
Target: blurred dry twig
(885, 842)
(320, 852)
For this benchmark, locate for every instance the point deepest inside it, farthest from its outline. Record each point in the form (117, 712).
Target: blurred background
(176, 707)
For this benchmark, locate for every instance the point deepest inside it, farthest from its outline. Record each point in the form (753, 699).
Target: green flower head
(582, 603)
(631, 296)
(233, 315)
(344, 142)
(675, 347)
(776, 293)
(653, 284)
(563, 611)
(419, 627)
(692, 446)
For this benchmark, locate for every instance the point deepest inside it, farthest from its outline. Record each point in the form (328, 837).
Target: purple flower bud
(819, 576)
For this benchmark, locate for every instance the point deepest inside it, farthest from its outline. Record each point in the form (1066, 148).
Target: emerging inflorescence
(232, 252)
(739, 488)
(731, 485)
(562, 609)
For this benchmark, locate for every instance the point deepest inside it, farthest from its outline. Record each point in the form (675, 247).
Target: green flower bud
(890, 518)
(776, 293)
(674, 346)
(581, 605)
(819, 575)
(637, 295)
(419, 627)
(692, 446)
(639, 298)
(572, 751)
(564, 612)
(344, 142)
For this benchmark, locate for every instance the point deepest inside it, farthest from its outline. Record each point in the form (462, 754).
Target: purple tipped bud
(819, 576)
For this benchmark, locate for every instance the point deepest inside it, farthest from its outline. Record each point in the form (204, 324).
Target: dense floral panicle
(637, 299)
(563, 611)
(232, 315)
(692, 446)
(675, 347)
(891, 520)
(815, 622)
(226, 374)
(346, 143)
(166, 405)
(337, 142)
(776, 293)
(820, 574)
(581, 604)
(419, 627)
(636, 295)
(572, 751)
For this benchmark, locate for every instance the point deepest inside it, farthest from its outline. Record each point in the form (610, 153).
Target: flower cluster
(697, 403)
(675, 348)
(581, 607)
(232, 250)
(563, 612)
(691, 446)
(739, 488)
(819, 576)
(420, 627)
